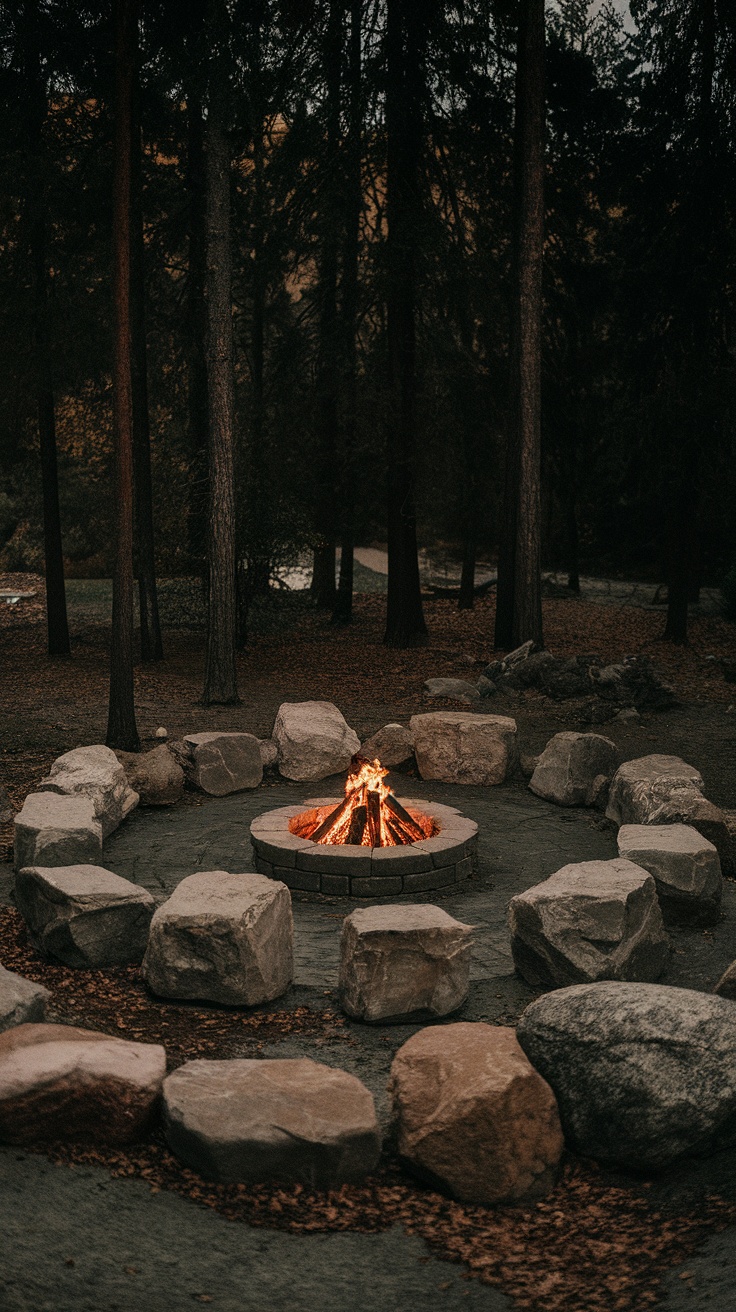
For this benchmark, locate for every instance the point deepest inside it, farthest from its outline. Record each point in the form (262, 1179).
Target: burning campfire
(368, 816)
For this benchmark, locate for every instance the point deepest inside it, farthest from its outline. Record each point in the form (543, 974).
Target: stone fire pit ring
(345, 870)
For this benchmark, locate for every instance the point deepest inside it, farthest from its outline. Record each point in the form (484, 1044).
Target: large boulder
(459, 747)
(58, 1082)
(51, 830)
(222, 938)
(661, 790)
(574, 768)
(473, 1116)
(314, 740)
(155, 776)
(392, 745)
(225, 762)
(684, 865)
(94, 772)
(643, 1073)
(403, 963)
(590, 921)
(21, 1000)
(83, 915)
(291, 1120)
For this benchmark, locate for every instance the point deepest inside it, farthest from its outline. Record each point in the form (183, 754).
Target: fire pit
(367, 844)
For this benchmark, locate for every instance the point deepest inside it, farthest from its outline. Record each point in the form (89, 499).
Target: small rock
(643, 1073)
(294, 1120)
(519, 654)
(161, 732)
(156, 776)
(52, 830)
(392, 745)
(528, 764)
(96, 773)
(222, 938)
(473, 1115)
(59, 1082)
(403, 963)
(83, 915)
(458, 690)
(269, 753)
(684, 865)
(225, 763)
(314, 740)
(460, 747)
(20, 1000)
(590, 921)
(627, 713)
(6, 807)
(570, 765)
(486, 687)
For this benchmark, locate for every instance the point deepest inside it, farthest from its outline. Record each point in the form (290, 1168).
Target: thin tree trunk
(519, 593)
(57, 627)
(220, 681)
(466, 599)
(259, 570)
(197, 328)
(151, 643)
(405, 624)
(122, 731)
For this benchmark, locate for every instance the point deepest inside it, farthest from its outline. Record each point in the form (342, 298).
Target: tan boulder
(400, 963)
(460, 747)
(156, 776)
(59, 1082)
(473, 1116)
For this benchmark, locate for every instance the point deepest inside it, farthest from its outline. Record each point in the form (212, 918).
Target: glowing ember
(369, 815)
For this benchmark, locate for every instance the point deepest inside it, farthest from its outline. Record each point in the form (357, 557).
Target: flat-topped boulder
(592, 920)
(56, 830)
(661, 790)
(643, 1073)
(96, 773)
(224, 938)
(392, 745)
(293, 1120)
(59, 1082)
(225, 763)
(403, 963)
(575, 768)
(84, 915)
(314, 740)
(685, 867)
(156, 776)
(460, 747)
(21, 1000)
(473, 1116)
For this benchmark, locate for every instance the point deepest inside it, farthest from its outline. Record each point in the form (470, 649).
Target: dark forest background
(305, 103)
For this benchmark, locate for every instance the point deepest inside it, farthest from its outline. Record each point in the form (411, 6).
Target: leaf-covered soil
(599, 1242)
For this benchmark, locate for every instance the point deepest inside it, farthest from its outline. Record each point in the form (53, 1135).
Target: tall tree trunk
(151, 643)
(57, 627)
(348, 336)
(122, 731)
(519, 593)
(405, 32)
(197, 328)
(220, 681)
(259, 565)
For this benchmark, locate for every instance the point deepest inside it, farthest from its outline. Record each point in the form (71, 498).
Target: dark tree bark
(197, 327)
(259, 564)
(151, 643)
(220, 682)
(57, 627)
(122, 731)
(519, 594)
(405, 37)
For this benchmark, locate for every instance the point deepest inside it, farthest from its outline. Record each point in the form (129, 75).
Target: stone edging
(347, 870)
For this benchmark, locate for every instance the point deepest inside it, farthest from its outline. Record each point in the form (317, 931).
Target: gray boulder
(83, 915)
(392, 745)
(155, 776)
(403, 963)
(314, 740)
(460, 747)
(51, 830)
(292, 1120)
(594, 920)
(222, 938)
(6, 807)
(225, 762)
(642, 1073)
(684, 865)
(269, 753)
(96, 773)
(458, 690)
(20, 1000)
(660, 790)
(573, 768)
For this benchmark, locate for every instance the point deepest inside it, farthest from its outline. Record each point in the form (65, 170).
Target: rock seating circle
(634, 1073)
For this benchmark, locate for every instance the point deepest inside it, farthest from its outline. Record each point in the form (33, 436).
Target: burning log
(406, 823)
(373, 799)
(330, 822)
(369, 815)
